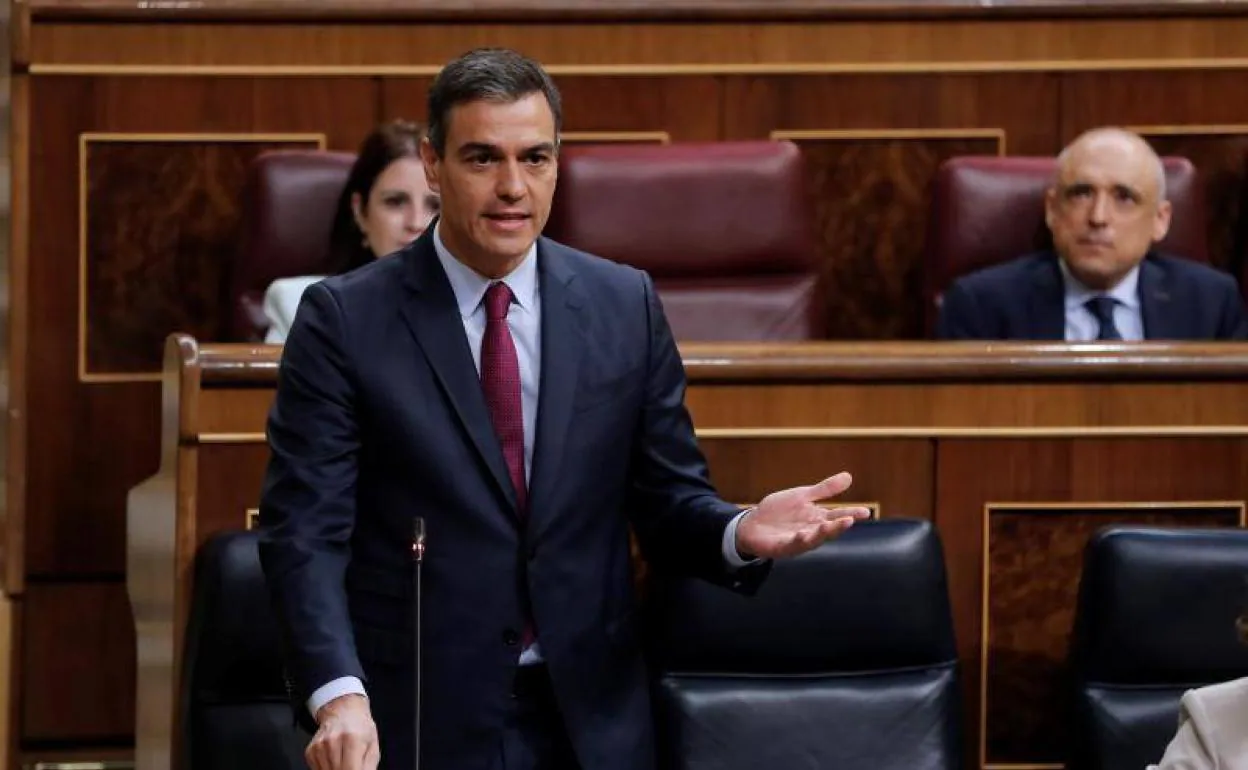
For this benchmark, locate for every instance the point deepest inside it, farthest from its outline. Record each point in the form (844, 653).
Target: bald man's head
(1107, 206)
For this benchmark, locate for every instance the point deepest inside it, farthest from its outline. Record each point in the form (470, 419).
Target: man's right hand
(346, 737)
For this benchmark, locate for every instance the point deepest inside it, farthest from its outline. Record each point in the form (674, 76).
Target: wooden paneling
(687, 108)
(231, 476)
(90, 442)
(744, 470)
(870, 169)
(871, 201)
(162, 215)
(393, 10)
(77, 663)
(105, 436)
(1220, 154)
(1034, 564)
(972, 474)
(915, 424)
(827, 45)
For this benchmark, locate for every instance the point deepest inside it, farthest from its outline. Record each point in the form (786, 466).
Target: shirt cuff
(335, 688)
(730, 543)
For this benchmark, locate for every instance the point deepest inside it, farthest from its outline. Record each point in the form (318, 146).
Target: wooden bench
(1017, 452)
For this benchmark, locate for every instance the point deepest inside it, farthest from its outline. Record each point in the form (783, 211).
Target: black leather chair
(1155, 617)
(235, 710)
(844, 659)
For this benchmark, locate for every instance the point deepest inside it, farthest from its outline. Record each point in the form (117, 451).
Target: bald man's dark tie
(1103, 309)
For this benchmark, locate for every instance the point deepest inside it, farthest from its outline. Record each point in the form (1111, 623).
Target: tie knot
(1103, 308)
(497, 301)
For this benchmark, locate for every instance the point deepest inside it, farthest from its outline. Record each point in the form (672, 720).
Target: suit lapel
(432, 314)
(563, 344)
(1156, 304)
(1047, 306)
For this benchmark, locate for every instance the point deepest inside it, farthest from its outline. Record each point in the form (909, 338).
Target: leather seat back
(844, 659)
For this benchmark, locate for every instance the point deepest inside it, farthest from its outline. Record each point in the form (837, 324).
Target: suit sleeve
(307, 507)
(678, 517)
(1234, 325)
(959, 315)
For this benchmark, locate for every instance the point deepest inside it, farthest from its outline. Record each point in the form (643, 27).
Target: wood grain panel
(89, 444)
(528, 10)
(870, 169)
(162, 218)
(77, 663)
(230, 479)
(973, 473)
(687, 108)
(1221, 158)
(913, 45)
(871, 203)
(897, 474)
(105, 437)
(1035, 560)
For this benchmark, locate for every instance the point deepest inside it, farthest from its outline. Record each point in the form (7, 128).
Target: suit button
(532, 552)
(510, 637)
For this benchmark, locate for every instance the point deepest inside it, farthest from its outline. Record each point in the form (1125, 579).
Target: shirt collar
(469, 286)
(1077, 294)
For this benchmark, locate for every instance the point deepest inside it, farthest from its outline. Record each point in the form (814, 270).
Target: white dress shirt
(281, 302)
(524, 320)
(1081, 323)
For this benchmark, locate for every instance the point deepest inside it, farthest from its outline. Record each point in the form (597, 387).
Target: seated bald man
(1104, 280)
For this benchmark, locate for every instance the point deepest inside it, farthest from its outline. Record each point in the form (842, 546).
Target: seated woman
(1212, 722)
(385, 205)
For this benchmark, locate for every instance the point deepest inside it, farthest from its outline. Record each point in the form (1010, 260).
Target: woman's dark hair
(384, 145)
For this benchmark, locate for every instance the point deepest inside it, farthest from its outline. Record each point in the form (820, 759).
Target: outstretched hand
(790, 522)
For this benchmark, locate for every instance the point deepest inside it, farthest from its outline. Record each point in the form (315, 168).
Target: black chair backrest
(236, 713)
(844, 659)
(1156, 617)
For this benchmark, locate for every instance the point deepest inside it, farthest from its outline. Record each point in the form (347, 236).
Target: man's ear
(1161, 222)
(432, 163)
(1050, 206)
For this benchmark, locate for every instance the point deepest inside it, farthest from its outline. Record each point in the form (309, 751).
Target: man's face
(1105, 211)
(496, 180)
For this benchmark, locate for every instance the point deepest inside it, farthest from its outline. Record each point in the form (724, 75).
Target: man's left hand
(791, 522)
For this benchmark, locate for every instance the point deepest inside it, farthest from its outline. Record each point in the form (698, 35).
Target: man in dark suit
(1104, 281)
(526, 400)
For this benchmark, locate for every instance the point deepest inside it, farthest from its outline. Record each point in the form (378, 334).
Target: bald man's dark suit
(1024, 299)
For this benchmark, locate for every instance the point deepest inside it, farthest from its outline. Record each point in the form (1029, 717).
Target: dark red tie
(500, 379)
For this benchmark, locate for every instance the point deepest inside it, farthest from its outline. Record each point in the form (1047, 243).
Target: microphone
(418, 557)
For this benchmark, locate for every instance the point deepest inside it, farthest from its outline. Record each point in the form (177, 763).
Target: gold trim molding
(1192, 129)
(793, 434)
(88, 138)
(614, 137)
(903, 134)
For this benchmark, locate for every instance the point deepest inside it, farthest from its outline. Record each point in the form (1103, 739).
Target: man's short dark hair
(487, 74)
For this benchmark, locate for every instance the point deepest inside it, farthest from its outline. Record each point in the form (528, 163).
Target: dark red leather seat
(725, 229)
(288, 209)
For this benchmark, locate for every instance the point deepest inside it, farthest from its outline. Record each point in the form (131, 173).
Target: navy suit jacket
(380, 417)
(1025, 299)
